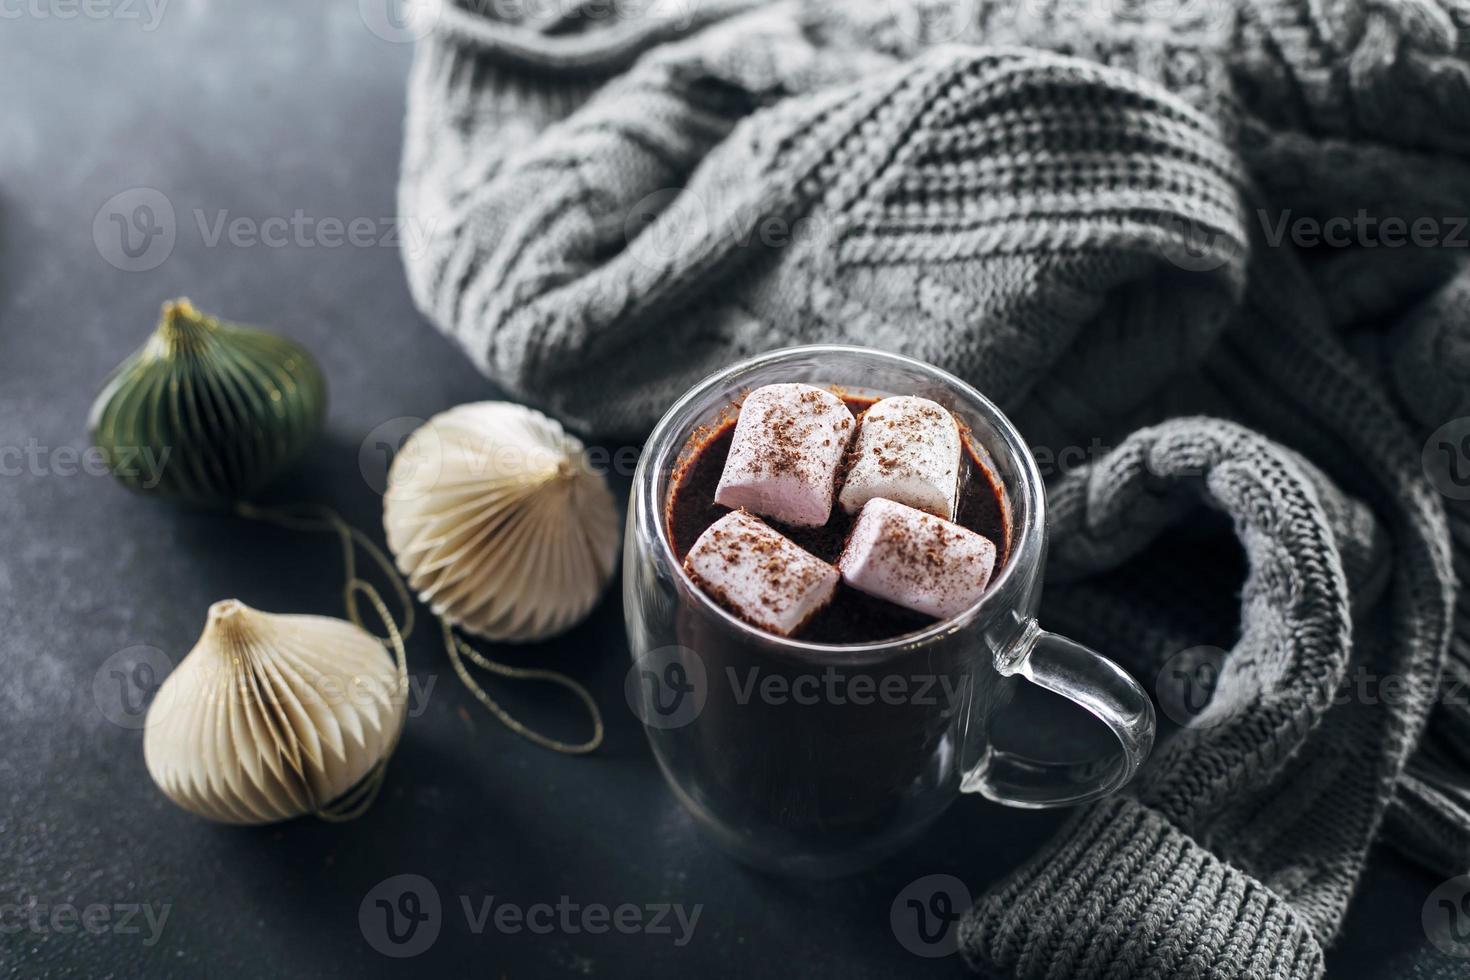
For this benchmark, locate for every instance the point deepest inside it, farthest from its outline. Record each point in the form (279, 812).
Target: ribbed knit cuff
(1122, 893)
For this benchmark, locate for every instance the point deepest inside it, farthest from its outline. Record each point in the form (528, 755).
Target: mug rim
(1027, 537)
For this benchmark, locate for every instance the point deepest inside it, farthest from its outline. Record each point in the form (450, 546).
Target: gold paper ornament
(498, 522)
(272, 717)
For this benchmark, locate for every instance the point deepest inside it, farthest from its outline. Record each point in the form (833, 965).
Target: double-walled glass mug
(819, 758)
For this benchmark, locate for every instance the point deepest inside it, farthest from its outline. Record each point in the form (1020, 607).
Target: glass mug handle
(1093, 683)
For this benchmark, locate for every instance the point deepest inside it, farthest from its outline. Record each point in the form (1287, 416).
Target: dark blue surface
(261, 111)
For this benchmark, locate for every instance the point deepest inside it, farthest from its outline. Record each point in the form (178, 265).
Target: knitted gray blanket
(1209, 254)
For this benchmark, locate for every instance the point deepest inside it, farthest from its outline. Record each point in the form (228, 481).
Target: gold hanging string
(457, 647)
(315, 517)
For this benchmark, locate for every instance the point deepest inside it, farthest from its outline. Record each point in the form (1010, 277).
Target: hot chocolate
(829, 602)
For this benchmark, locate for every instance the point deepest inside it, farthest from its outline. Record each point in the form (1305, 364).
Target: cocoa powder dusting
(898, 435)
(784, 575)
(851, 616)
(921, 553)
(789, 433)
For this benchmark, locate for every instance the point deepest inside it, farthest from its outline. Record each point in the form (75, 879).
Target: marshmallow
(916, 560)
(758, 574)
(784, 454)
(907, 449)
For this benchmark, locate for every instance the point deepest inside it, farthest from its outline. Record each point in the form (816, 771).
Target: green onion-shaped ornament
(224, 407)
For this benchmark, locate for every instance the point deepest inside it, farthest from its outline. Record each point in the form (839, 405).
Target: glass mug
(819, 759)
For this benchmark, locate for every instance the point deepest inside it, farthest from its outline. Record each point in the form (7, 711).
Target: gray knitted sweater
(1102, 214)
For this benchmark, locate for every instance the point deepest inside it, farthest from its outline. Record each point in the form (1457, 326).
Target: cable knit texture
(1254, 436)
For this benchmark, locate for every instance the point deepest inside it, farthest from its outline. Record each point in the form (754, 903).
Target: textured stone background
(259, 111)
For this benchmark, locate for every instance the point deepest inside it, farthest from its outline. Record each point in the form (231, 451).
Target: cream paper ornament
(499, 524)
(271, 717)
